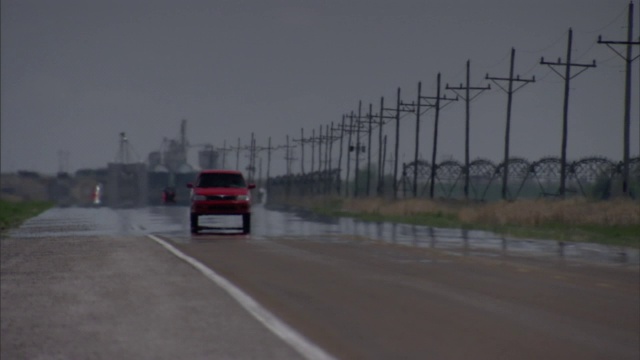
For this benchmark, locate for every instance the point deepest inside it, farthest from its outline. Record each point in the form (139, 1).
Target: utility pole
(354, 127)
(369, 150)
(358, 122)
(259, 173)
(348, 156)
(395, 164)
(251, 168)
(415, 107)
(302, 150)
(320, 149)
(313, 148)
(224, 151)
(398, 110)
(437, 99)
(327, 158)
(254, 153)
(332, 139)
(256, 150)
(384, 158)
(381, 124)
(627, 94)
(381, 148)
(288, 156)
(340, 157)
(269, 165)
(565, 110)
(253, 157)
(359, 147)
(510, 91)
(467, 99)
(269, 149)
(224, 154)
(415, 156)
(327, 145)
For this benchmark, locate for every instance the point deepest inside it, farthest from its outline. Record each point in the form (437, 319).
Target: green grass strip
(12, 214)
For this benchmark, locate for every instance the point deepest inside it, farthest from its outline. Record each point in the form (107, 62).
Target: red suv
(220, 192)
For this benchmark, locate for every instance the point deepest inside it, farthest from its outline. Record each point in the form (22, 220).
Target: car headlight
(199, 198)
(242, 197)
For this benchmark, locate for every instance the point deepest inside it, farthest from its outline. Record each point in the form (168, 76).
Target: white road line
(296, 340)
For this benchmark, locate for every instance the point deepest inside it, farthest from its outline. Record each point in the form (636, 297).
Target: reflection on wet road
(173, 222)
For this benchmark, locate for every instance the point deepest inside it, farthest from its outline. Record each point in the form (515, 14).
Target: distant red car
(169, 195)
(220, 192)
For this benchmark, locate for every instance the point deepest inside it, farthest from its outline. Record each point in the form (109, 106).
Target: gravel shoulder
(103, 297)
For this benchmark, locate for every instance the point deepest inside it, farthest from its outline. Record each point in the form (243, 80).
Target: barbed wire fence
(592, 177)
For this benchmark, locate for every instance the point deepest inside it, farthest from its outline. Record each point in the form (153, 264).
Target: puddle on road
(173, 221)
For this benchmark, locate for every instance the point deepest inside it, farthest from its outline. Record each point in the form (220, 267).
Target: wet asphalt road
(89, 283)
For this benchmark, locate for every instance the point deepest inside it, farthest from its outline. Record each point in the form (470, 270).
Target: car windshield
(221, 180)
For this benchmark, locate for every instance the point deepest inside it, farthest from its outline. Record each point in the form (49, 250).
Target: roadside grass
(615, 222)
(12, 214)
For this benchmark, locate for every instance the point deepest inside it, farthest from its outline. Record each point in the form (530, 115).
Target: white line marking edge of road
(290, 336)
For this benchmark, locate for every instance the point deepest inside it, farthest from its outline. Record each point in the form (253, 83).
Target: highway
(135, 284)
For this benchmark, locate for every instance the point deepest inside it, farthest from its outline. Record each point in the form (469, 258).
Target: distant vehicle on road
(220, 192)
(97, 195)
(169, 195)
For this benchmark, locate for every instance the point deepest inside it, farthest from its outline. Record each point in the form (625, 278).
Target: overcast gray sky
(75, 73)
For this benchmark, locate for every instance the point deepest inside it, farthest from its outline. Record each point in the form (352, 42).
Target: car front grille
(226, 208)
(221, 197)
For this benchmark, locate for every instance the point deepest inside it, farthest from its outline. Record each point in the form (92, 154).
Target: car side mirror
(251, 186)
(190, 185)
